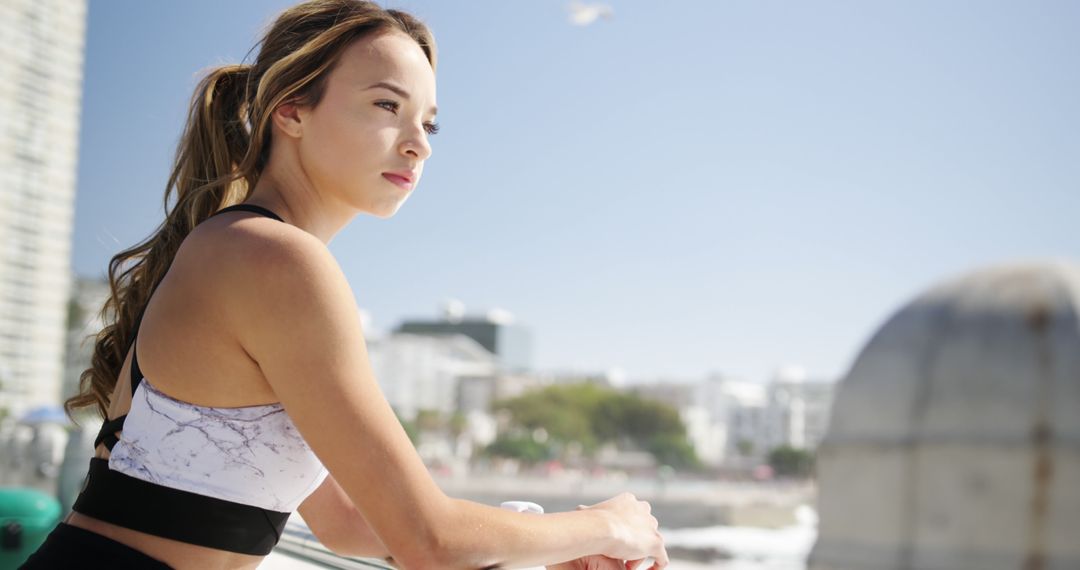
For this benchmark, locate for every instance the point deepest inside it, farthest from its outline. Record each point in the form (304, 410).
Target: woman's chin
(386, 211)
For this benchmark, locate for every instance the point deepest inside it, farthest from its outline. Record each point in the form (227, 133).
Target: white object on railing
(522, 507)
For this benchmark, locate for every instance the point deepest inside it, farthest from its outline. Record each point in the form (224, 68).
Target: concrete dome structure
(955, 438)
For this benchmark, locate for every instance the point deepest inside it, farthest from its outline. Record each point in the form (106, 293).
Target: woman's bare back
(187, 350)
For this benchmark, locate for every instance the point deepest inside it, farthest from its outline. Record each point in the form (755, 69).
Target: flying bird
(582, 14)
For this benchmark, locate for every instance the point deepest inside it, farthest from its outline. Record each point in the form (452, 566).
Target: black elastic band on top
(189, 517)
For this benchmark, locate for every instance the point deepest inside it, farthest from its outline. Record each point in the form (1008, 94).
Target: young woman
(234, 378)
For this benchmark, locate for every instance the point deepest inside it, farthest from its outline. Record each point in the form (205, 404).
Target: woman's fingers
(661, 559)
(598, 562)
(605, 563)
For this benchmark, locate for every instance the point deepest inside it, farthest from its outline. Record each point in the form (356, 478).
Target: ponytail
(204, 179)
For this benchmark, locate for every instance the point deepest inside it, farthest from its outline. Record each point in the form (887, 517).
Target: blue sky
(689, 187)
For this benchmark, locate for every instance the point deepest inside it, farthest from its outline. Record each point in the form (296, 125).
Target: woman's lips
(398, 180)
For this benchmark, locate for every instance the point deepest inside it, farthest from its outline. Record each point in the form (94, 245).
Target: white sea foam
(750, 548)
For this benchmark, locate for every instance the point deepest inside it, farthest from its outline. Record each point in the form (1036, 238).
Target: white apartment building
(41, 67)
(736, 422)
(422, 372)
(800, 412)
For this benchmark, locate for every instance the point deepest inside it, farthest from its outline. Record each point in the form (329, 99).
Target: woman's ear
(287, 117)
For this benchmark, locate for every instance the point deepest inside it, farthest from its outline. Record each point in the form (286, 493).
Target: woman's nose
(417, 145)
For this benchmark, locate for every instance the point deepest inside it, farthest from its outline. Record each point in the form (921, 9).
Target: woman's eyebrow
(400, 92)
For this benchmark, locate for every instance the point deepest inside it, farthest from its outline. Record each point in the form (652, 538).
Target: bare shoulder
(255, 240)
(256, 259)
(268, 280)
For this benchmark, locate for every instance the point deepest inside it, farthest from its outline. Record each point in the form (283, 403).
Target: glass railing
(298, 542)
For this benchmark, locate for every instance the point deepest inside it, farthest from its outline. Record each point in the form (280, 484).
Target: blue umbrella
(45, 415)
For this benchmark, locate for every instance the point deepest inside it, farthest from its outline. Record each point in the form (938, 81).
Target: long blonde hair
(224, 147)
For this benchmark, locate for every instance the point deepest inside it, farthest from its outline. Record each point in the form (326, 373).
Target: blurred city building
(678, 395)
(727, 423)
(496, 331)
(422, 372)
(41, 63)
(560, 377)
(84, 322)
(442, 368)
(799, 409)
(735, 423)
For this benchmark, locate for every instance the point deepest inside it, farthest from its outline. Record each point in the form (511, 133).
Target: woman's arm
(340, 527)
(338, 524)
(592, 563)
(295, 315)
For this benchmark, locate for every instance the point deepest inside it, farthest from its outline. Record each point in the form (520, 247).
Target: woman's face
(366, 141)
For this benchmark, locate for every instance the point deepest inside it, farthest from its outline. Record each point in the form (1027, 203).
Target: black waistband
(69, 546)
(129, 502)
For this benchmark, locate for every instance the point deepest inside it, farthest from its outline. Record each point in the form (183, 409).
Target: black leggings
(69, 546)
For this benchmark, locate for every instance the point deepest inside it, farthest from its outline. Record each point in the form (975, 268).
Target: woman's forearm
(480, 536)
(362, 542)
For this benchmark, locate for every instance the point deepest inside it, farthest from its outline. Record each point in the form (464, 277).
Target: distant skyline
(674, 190)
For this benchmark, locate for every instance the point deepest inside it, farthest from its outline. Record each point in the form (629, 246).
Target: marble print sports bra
(252, 455)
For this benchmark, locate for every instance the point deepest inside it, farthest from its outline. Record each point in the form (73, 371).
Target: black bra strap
(136, 372)
(250, 208)
(107, 433)
(108, 430)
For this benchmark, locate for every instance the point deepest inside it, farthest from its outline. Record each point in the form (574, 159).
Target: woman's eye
(430, 128)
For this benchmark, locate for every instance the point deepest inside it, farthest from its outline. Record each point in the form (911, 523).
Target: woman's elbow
(356, 544)
(337, 544)
(423, 553)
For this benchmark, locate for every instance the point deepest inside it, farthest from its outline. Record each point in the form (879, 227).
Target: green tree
(788, 461)
(593, 415)
(635, 418)
(674, 450)
(457, 424)
(75, 314)
(519, 446)
(563, 411)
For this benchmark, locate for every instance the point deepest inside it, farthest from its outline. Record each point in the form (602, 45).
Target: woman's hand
(635, 534)
(596, 562)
